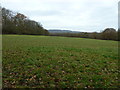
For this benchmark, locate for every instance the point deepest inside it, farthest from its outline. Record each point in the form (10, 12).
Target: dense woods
(17, 23)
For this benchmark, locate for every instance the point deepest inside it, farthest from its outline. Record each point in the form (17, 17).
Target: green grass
(62, 62)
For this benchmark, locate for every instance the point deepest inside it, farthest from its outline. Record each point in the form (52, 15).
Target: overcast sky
(76, 15)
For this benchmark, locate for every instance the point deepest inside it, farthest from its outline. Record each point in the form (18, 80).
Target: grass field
(62, 62)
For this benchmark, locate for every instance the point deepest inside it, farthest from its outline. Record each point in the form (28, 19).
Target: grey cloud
(44, 12)
(87, 15)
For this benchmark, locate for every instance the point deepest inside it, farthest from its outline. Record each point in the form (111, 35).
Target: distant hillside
(61, 31)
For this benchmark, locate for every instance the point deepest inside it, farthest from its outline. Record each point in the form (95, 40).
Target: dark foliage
(17, 23)
(109, 34)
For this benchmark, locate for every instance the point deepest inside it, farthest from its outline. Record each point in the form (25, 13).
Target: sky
(75, 15)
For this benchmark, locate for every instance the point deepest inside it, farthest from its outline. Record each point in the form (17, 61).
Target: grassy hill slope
(45, 61)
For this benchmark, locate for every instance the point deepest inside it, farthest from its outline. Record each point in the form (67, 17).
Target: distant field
(46, 62)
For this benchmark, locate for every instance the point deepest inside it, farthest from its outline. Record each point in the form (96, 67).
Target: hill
(61, 31)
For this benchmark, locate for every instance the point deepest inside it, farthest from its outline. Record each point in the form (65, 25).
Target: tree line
(17, 23)
(107, 34)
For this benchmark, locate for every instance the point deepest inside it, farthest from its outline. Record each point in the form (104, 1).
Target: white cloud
(87, 15)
